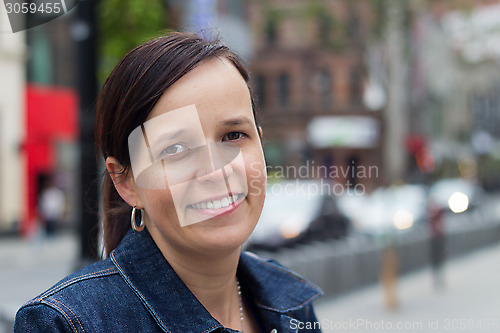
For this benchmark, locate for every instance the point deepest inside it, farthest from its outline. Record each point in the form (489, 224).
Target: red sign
(51, 116)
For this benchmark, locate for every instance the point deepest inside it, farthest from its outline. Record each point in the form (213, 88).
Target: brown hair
(128, 96)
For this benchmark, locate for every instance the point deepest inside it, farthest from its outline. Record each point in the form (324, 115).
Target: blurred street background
(381, 122)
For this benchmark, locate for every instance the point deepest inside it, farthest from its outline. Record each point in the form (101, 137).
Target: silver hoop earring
(136, 227)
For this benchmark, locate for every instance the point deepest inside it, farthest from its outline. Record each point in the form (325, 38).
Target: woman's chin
(220, 238)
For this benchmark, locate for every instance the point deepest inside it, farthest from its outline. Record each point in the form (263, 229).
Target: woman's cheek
(159, 205)
(256, 173)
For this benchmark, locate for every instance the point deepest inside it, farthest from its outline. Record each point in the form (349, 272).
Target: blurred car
(456, 195)
(294, 213)
(386, 210)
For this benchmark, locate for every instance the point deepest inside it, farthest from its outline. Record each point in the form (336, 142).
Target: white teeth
(216, 203)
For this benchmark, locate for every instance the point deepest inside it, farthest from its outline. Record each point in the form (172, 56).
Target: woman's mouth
(219, 206)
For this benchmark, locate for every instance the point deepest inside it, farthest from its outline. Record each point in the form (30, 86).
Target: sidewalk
(28, 267)
(469, 301)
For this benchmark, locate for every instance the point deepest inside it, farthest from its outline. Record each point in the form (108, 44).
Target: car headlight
(403, 219)
(458, 202)
(290, 229)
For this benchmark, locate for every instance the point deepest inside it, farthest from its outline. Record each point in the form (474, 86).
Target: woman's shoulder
(65, 306)
(263, 265)
(279, 287)
(91, 274)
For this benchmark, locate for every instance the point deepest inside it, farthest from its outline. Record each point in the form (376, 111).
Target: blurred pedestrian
(437, 241)
(51, 205)
(184, 188)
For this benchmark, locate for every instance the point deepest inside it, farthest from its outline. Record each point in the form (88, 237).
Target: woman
(179, 201)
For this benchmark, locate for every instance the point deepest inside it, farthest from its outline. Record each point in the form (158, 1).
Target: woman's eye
(173, 150)
(233, 136)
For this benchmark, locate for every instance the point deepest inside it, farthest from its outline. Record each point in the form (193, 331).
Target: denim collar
(176, 309)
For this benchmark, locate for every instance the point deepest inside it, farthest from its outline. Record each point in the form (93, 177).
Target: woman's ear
(259, 129)
(123, 181)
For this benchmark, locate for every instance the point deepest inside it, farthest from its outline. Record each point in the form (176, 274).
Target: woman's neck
(212, 279)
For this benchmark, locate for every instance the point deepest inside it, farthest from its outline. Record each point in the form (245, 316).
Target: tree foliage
(123, 24)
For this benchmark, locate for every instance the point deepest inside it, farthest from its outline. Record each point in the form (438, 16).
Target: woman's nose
(214, 175)
(217, 166)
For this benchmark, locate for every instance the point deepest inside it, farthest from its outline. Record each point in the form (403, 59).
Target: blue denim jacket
(136, 290)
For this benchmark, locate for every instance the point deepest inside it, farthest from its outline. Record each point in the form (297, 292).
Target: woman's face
(197, 162)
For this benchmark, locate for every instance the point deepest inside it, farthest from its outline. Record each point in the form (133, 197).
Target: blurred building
(39, 117)
(224, 19)
(307, 62)
(309, 79)
(50, 145)
(454, 89)
(12, 117)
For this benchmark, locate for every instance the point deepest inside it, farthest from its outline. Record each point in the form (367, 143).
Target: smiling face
(205, 178)
(197, 162)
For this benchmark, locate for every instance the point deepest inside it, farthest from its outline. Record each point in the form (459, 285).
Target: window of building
(234, 8)
(260, 90)
(325, 85)
(353, 22)
(271, 32)
(355, 87)
(283, 89)
(325, 26)
(40, 69)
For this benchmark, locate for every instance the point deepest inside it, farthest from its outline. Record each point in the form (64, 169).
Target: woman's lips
(219, 206)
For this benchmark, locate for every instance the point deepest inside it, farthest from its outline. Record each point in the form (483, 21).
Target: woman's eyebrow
(168, 136)
(236, 121)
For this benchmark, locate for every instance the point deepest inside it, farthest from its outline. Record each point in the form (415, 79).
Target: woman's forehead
(213, 87)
